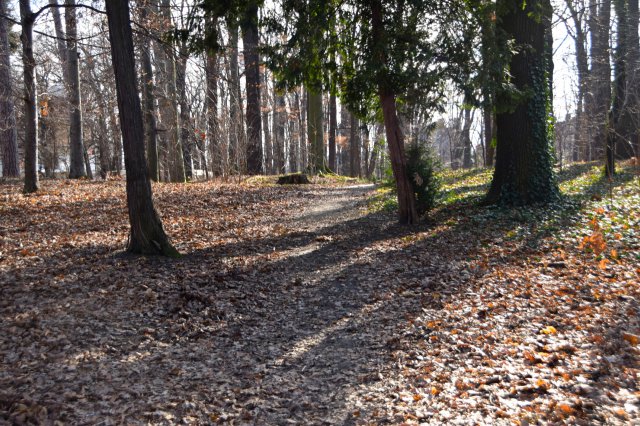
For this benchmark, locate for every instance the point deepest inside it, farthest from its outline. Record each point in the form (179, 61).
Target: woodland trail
(296, 305)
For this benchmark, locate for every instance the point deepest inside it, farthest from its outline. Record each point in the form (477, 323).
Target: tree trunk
(333, 126)
(354, 146)
(148, 97)
(8, 129)
(489, 136)
(167, 100)
(634, 76)
(250, 39)
(598, 98)
(76, 148)
(580, 44)
(147, 235)
(466, 137)
(315, 131)
(27, 19)
(218, 165)
(266, 108)
(301, 106)
(294, 138)
(523, 173)
(280, 121)
(235, 102)
(407, 213)
(185, 132)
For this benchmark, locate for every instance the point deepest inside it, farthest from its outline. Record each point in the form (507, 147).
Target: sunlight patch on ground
(305, 345)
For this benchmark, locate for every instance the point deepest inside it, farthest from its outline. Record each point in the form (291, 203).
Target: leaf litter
(298, 305)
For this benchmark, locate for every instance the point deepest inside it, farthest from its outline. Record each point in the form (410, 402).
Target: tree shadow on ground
(304, 333)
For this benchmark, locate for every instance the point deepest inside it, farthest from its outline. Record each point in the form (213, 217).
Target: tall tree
(524, 172)
(236, 131)
(315, 132)
(76, 148)
(577, 31)
(8, 130)
(168, 97)
(250, 40)
(148, 96)
(333, 127)
(27, 19)
(146, 235)
(598, 97)
(216, 146)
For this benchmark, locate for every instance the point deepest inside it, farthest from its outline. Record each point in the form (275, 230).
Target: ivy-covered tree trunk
(147, 235)
(27, 20)
(8, 130)
(76, 146)
(634, 76)
(251, 40)
(524, 162)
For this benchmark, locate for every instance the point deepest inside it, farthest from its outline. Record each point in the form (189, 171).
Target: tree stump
(293, 179)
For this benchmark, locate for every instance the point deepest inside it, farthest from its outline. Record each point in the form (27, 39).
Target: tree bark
(148, 96)
(582, 65)
(266, 108)
(354, 147)
(236, 129)
(333, 126)
(407, 213)
(27, 19)
(76, 148)
(218, 165)
(315, 130)
(523, 172)
(250, 39)
(598, 98)
(8, 129)
(280, 121)
(147, 235)
(185, 127)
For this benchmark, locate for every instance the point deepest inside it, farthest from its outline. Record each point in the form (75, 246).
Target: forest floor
(309, 305)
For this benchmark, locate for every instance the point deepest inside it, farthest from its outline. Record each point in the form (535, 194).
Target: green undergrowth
(598, 215)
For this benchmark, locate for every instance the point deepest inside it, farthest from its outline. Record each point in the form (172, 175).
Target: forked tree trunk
(407, 213)
(27, 19)
(8, 130)
(147, 235)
